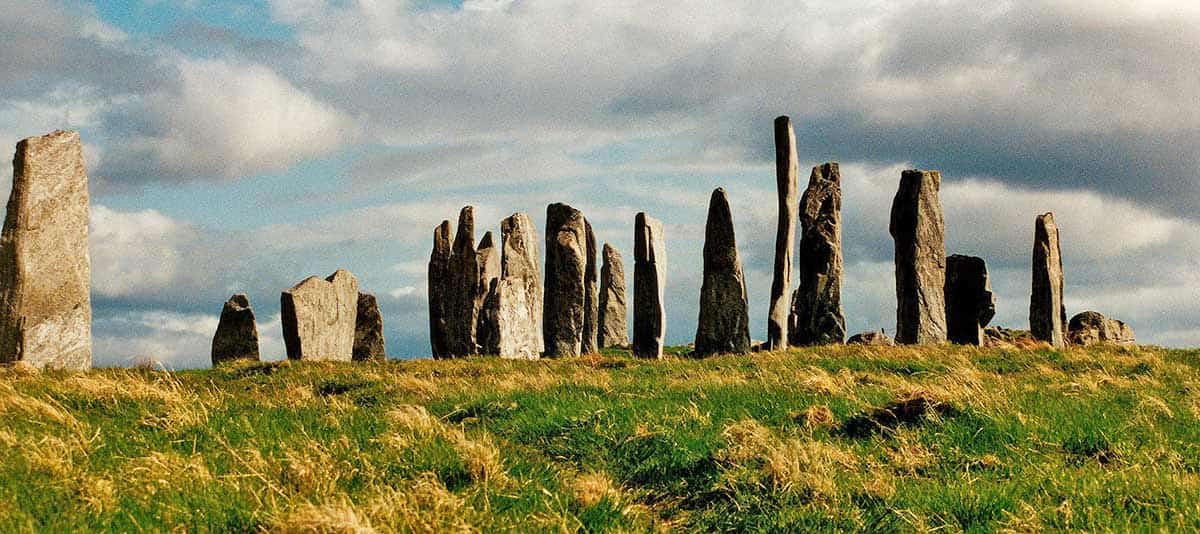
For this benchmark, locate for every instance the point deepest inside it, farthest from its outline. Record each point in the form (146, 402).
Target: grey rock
(817, 317)
(919, 233)
(487, 259)
(649, 281)
(1091, 328)
(1047, 314)
(45, 270)
(786, 176)
(566, 269)
(369, 344)
(319, 317)
(438, 289)
(237, 333)
(462, 290)
(724, 324)
(970, 304)
(591, 297)
(613, 331)
(516, 298)
(876, 339)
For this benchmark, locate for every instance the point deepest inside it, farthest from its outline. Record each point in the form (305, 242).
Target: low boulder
(874, 339)
(1091, 328)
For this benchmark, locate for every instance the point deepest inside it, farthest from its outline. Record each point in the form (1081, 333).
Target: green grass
(823, 439)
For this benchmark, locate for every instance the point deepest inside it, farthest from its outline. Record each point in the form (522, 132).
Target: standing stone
(566, 270)
(786, 170)
(368, 331)
(613, 331)
(45, 270)
(724, 325)
(817, 317)
(515, 301)
(591, 297)
(462, 291)
(1047, 315)
(649, 281)
(319, 317)
(970, 304)
(1090, 328)
(439, 281)
(237, 333)
(919, 232)
(487, 286)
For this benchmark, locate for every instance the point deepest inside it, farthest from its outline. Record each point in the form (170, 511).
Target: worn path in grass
(823, 439)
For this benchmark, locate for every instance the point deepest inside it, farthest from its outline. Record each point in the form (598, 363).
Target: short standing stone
(45, 271)
(237, 333)
(462, 289)
(591, 297)
(876, 339)
(724, 324)
(369, 344)
(1090, 328)
(516, 302)
(487, 258)
(786, 171)
(649, 281)
(919, 233)
(566, 269)
(613, 331)
(1047, 314)
(970, 304)
(817, 303)
(439, 280)
(319, 317)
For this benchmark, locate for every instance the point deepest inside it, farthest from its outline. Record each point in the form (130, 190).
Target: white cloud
(406, 291)
(174, 340)
(135, 253)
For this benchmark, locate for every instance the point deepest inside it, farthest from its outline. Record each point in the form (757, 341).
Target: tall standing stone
(649, 281)
(919, 232)
(786, 169)
(724, 324)
(515, 301)
(439, 281)
(1047, 314)
(488, 261)
(45, 270)
(613, 331)
(591, 297)
(566, 271)
(237, 333)
(319, 317)
(817, 317)
(462, 290)
(369, 344)
(970, 304)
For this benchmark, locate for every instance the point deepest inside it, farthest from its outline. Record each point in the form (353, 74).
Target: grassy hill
(834, 439)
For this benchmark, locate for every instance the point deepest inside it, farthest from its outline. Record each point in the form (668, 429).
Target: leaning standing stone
(439, 280)
(613, 331)
(45, 271)
(724, 326)
(817, 304)
(649, 281)
(319, 317)
(369, 344)
(591, 297)
(1047, 314)
(970, 304)
(919, 232)
(516, 302)
(566, 266)
(462, 291)
(786, 170)
(237, 333)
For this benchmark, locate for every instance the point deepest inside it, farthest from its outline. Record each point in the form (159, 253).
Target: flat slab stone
(566, 270)
(918, 229)
(817, 317)
(613, 332)
(517, 301)
(970, 303)
(237, 333)
(1047, 314)
(369, 345)
(438, 289)
(724, 324)
(591, 296)
(45, 270)
(649, 282)
(319, 317)
(787, 169)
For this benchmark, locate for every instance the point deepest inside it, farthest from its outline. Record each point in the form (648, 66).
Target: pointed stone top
(486, 242)
(239, 301)
(340, 273)
(610, 251)
(828, 171)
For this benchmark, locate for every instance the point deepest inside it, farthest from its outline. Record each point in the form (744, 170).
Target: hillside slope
(833, 439)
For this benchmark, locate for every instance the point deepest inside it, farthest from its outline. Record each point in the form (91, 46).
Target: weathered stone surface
(1091, 328)
(566, 269)
(1047, 314)
(724, 324)
(516, 300)
(919, 233)
(45, 270)
(613, 330)
(237, 333)
(591, 297)
(649, 281)
(970, 304)
(878, 339)
(369, 344)
(439, 281)
(487, 287)
(817, 317)
(786, 171)
(462, 289)
(1006, 338)
(319, 317)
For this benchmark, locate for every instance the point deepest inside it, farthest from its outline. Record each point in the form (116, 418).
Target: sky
(242, 146)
